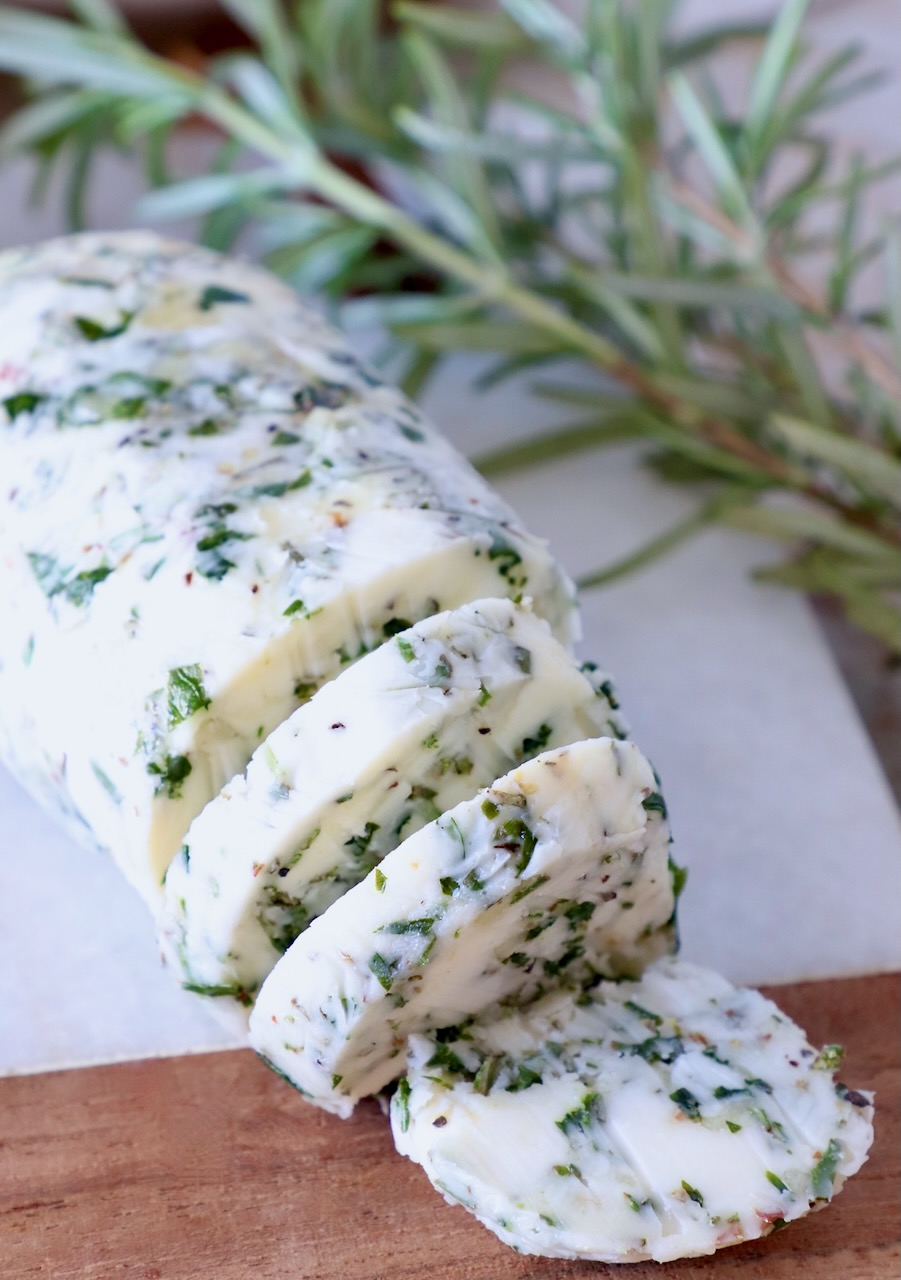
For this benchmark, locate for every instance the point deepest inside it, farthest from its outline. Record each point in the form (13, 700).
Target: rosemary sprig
(639, 228)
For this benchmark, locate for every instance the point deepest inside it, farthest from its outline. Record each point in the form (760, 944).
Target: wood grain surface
(211, 1168)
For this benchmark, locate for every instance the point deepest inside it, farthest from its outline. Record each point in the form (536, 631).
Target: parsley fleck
(422, 926)
(171, 771)
(22, 402)
(359, 845)
(527, 887)
(106, 782)
(823, 1174)
(775, 1180)
(383, 970)
(214, 294)
(445, 1057)
(402, 1100)
(522, 836)
(233, 989)
(524, 1079)
(508, 556)
(380, 880)
(523, 659)
(654, 803)
(581, 1118)
(185, 693)
(95, 332)
(686, 1101)
(536, 744)
(486, 1075)
(646, 1015)
(395, 625)
(693, 1193)
(407, 652)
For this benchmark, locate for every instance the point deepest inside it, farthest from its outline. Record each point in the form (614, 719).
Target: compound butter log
(208, 507)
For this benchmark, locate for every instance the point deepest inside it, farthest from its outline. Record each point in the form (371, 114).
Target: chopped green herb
(823, 1175)
(756, 1083)
(521, 836)
(296, 606)
(678, 875)
(579, 913)
(23, 402)
(775, 1180)
(829, 1058)
(443, 670)
(407, 652)
(322, 395)
(693, 1193)
(185, 693)
(278, 488)
(283, 918)
(484, 694)
(449, 885)
(105, 782)
(215, 294)
(131, 407)
(654, 803)
(206, 428)
(537, 743)
(95, 332)
(380, 880)
(282, 438)
(490, 809)
(395, 625)
(527, 887)
(523, 659)
(773, 1127)
(431, 742)
(732, 1126)
(218, 536)
(655, 1049)
(423, 926)
(383, 970)
(402, 1098)
(233, 989)
(171, 771)
(722, 1092)
(486, 1075)
(567, 1171)
(304, 689)
(687, 1103)
(508, 556)
(336, 1080)
(524, 1079)
(80, 588)
(412, 434)
(646, 1015)
(473, 882)
(359, 845)
(460, 765)
(445, 1057)
(590, 1110)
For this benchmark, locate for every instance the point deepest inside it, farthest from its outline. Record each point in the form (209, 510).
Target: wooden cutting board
(211, 1168)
